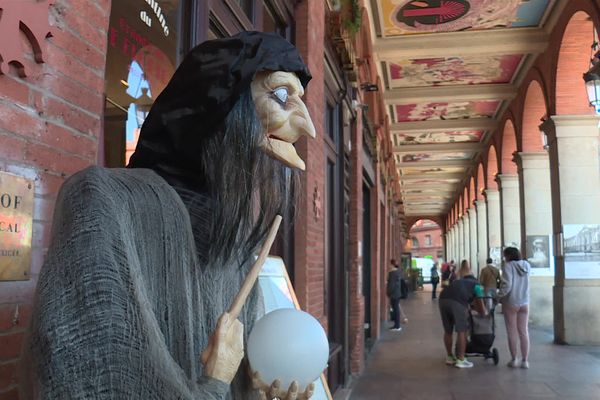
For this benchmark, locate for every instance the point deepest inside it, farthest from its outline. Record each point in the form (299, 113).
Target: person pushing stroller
(454, 304)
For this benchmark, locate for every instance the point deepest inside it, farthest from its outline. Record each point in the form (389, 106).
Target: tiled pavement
(410, 365)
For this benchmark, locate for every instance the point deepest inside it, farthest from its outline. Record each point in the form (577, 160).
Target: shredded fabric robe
(125, 305)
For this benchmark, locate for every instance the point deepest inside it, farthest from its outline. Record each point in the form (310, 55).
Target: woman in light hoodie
(514, 296)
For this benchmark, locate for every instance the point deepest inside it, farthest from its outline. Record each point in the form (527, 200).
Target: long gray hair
(247, 187)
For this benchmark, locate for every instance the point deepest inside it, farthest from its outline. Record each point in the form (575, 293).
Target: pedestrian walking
(514, 296)
(454, 307)
(435, 279)
(489, 277)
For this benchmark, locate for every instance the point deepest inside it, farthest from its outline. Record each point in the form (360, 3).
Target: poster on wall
(277, 292)
(496, 256)
(581, 244)
(540, 255)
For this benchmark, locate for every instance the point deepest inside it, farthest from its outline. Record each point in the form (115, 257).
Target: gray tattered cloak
(123, 307)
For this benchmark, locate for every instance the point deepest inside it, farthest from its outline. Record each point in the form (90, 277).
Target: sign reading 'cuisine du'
(16, 207)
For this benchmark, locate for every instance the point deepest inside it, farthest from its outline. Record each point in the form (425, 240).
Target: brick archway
(534, 110)
(509, 146)
(438, 219)
(573, 60)
(492, 168)
(481, 182)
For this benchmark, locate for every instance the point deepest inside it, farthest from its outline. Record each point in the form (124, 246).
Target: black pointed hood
(203, 91)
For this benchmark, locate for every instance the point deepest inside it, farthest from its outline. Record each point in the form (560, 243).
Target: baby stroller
(482, 333)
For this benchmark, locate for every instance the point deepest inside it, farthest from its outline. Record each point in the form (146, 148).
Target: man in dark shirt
(454, 308)
(394, 292)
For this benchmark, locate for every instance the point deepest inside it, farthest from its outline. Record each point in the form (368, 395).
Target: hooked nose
(303, 122)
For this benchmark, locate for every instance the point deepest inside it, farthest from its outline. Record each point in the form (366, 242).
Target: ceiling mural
(400, 17)
(417, 157)
(428, 204)
(463, 70)
(428, 198)
(432, 170)
(430, 182)
(446, 111)
(446, 103)
(411, 191)
(438, 137)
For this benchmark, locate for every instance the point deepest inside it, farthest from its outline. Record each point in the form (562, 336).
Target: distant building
(426, 239)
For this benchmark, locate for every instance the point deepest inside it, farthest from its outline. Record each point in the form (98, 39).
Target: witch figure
(144, 261)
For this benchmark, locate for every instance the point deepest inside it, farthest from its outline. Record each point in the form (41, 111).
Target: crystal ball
(289, 345)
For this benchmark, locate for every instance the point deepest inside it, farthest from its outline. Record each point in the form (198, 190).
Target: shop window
(273, 22)
(144, 44)
(248, 7)
(332, 122)
(270, 22)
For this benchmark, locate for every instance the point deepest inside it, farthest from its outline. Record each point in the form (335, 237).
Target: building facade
(75, 92)
(425, 238)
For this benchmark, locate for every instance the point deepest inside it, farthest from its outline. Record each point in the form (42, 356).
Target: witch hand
(225, 350)
(274, 391)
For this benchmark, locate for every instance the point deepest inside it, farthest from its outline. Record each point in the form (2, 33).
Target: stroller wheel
(496, 357)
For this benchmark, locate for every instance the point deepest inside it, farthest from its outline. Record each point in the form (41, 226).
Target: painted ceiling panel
(445, 111)
(454, 70)
(400, 17)
(416, 157)
(425, 182)
(432, 170)
(440, 201)
(410, 191)
(439, 137)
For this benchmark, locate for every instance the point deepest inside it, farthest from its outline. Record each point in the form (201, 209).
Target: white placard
(277, 292)
(581, 245)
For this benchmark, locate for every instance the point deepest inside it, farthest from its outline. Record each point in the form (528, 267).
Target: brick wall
(309, 230)
(50, 124)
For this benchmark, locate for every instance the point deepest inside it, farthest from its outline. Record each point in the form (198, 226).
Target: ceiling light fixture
(592, 77)
(369, 87)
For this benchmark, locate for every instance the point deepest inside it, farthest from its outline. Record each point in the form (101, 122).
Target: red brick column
(309, 227)
(378, 296)
(357, 302)
(50, 124)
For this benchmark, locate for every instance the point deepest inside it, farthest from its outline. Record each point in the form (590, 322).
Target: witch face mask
(278, 100)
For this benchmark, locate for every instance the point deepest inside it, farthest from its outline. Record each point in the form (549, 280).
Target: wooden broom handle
(240, 298)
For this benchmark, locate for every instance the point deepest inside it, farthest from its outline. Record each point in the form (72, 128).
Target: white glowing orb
(289, 345)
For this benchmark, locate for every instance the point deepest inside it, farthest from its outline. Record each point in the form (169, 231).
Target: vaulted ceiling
(450, 69)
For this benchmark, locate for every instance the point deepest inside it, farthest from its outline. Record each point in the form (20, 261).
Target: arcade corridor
(410, 365)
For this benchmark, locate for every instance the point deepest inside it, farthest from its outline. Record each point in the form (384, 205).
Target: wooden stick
(240, 298)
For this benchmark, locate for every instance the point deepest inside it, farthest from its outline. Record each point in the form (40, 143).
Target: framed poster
(581, 246)
(540, 255)
(496, 256)
(278, 292)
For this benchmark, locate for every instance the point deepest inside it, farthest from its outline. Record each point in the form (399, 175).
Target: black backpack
(403, 289)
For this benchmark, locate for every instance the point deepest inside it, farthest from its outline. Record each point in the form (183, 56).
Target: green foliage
(355, 17)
